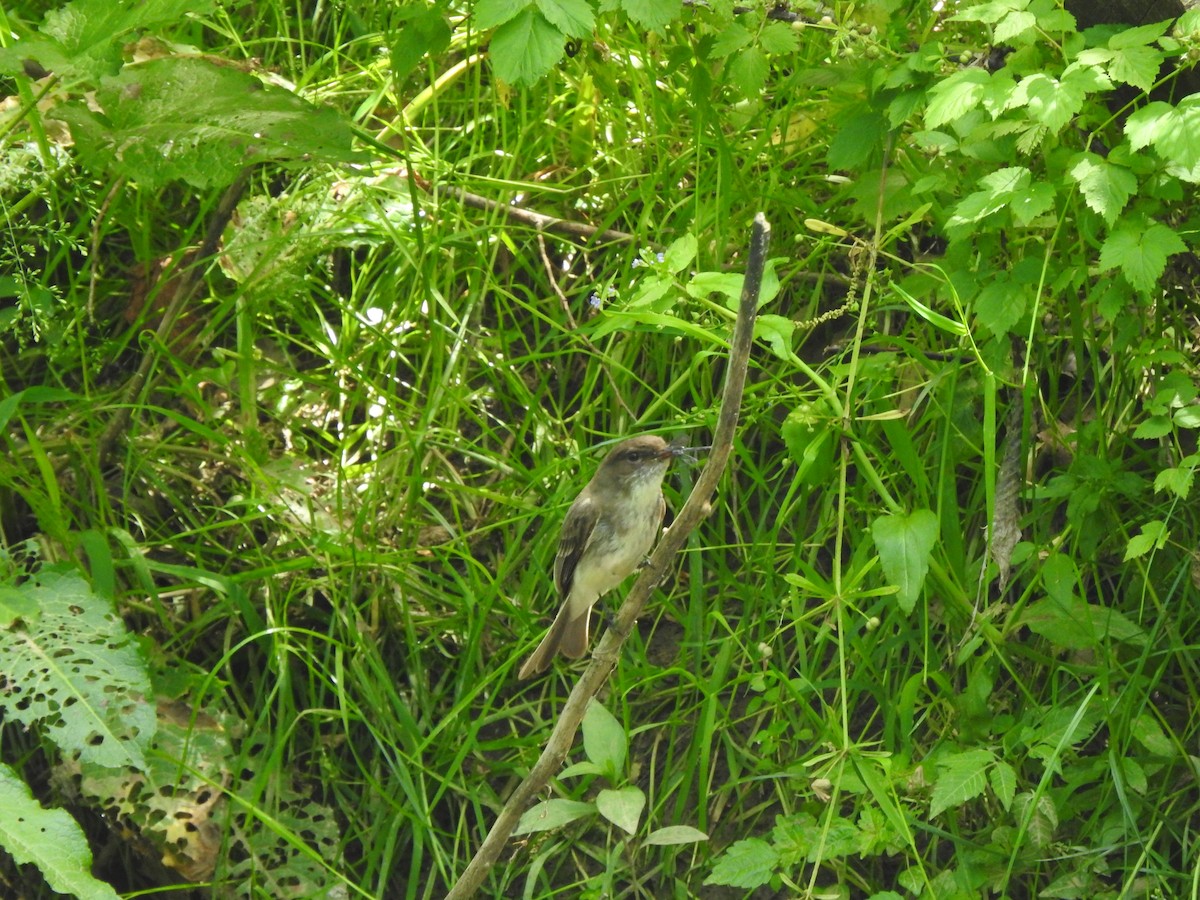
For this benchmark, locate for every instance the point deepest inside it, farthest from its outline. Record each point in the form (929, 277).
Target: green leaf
(1138, 66)
(604, 740)
(745, 864)
(1000, 305)
(776, 331)
(573, 18)
(82, 41)
(1177, 480)
(1153, 427)
(1149, 733)
(526, 47)
(1013, 25)
(673, 835)
(622, 807)
(1140, 36)
(1173, 131)
(1140, 253)
(49, 839)
(1153, 536)
(905, 544)
(1075, 624)
(424, 32)
(680, 254)
(775, 37)
(653, 14)
(935, 318)
(748, 71)
(551, 814)
(961, 777)
(856, 140)
(77, 673)
(1106, 187)
(189, 119)
(1042, 818)
(989, 13)
(726, 283)
(729, 40)
(954, 97)
(1003, 779)
(489, 14)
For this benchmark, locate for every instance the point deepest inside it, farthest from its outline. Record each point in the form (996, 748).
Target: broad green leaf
(776, 331)
(49, 839)
(1012, 26)
(954, 97)
(604, 740)
(1173, 131)
(1176, 480)
(423, 32)
(989, 13)
(727, 283)
(680, 254)
(82, 41)
(77, 672)
(1106, 187)
(745, 864)
(1153, 427)
(489, 14)
(526, 47)
(1140, 253)
(653, 14)
(573, 18)
(858, 136)
(1075, 624)
(960, 777)
(1000, 305)
(189, 119)
(1140, 36)
(1041, 816)
(776, 37)
(623, 807)
(625, 320)
(905, 544)
(1138, 66)
(673, 835)
(1033, 201)
(551, 814)
(748, 71)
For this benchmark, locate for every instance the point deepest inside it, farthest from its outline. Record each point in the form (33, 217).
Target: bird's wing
(576, 533)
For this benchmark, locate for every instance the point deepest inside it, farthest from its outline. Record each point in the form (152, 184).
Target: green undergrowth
(275, 541)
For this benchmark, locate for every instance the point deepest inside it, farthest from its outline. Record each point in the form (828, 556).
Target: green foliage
(935, 637)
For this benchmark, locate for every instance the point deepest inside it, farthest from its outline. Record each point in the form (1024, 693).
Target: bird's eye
(633, 455)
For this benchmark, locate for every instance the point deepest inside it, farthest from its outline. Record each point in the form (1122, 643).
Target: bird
(606, 534)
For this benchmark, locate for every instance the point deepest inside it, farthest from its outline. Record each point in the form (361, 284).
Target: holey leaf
(904, 544)
(77, 673)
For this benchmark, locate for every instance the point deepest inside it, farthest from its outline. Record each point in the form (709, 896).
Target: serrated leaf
(1013, 25)
(551, 814)
(856, 140)
(1153, 427)
(748, 71)
(1003, 779)
(999, 306)
(1041, 816)
(77, 673)
(1178, 481)
(653, 14)
(188, 119)
(1149, 733)
(49, 839)
(954, 97)
(1153, 536)
(1106, 187)
(1140, 36)
(1138, 66)
(489, 14)
(623, 807)
(729, 40)
(573, 18)
(604, 740)
(526, 47)
(745, 864)
(673, 835)
(905, 544)
(1140, 253)
(961, 777)
(775, 37)
(1173, 131)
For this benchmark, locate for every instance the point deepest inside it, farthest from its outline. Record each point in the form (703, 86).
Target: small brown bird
(608, 531)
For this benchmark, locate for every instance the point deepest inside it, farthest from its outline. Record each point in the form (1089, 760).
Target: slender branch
(604, 660)
(528, 217)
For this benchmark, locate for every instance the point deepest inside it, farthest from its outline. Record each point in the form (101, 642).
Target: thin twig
(528, 217)
(194, 267)
(608, 651)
